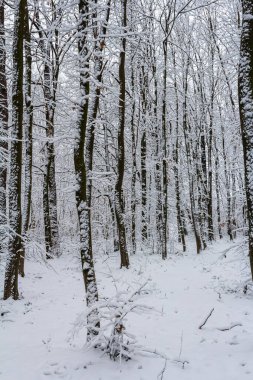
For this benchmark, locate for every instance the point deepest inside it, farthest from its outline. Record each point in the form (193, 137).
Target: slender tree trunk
(47, 226)
(134, 164)
(217, 186)
(28, 133)
(180, 225)
(15, 180)
(144, 231)
(119, 201)
(111, 201)
(227, 183)
(3, 132)
(210, 149)
(164, 150)
(83, 210)
(144, 91)
(50, 180)
(158, 176)
(246, 110)
(99, 38)
(50, 45)
(189, 154)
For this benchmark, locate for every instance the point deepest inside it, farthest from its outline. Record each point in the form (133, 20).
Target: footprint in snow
(56, 371)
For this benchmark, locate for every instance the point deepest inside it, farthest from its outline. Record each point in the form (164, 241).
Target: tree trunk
(3, 133)
(134, 164)
(83, 210)
(50, 46)
(28, 133)
(119, 203)
(180, 224)
(15, 215)
(164, 152)
(246, 110)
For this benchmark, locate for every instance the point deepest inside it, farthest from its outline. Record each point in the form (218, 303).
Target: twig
(209, 315)
(165, 357)
(161, 374)
(181, 345)
(230, 327)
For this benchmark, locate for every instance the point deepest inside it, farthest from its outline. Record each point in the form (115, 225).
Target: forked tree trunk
(15, 215)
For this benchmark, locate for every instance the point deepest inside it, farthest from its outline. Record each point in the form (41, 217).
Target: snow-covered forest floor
(37, 332)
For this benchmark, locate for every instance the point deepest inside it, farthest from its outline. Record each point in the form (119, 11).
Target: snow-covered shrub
(113, 337)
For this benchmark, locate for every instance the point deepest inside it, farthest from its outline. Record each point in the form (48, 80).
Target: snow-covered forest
(126, 189)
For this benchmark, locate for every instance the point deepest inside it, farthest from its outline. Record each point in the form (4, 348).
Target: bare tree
(83, 210)
(119, 202)
(246, 110)
(3, 131)
(15, 214)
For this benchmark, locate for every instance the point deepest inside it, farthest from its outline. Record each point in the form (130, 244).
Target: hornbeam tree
(3, 131)
(50, 48)
(119, 202)
(28, 133)
(246, 110)
(15, 214)
(83, 210)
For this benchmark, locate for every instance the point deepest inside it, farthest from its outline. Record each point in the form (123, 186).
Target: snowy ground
(36, 340)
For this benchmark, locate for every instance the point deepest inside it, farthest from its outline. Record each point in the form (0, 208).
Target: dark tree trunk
(164, 152)
(134, 164)
(3, 132)
(111, 201)
(119, 200)
(28, 133)
(189, 154)
(158, 176)
(217, 186)
(50, 50)
(12, 265)
(144, 91)
(144, 231)
(210, 150)
(180, 217)
(99, 37)
(246, 110)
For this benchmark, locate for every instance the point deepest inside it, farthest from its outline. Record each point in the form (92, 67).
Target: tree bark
(28, 133)
(83, 210)
(15, 180)
(119, 203)
(3, 132)
(246, 110)
(50, 46)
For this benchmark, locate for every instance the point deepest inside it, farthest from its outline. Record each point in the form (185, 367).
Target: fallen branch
(230, 327)
(163, 356)
(209, 315)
